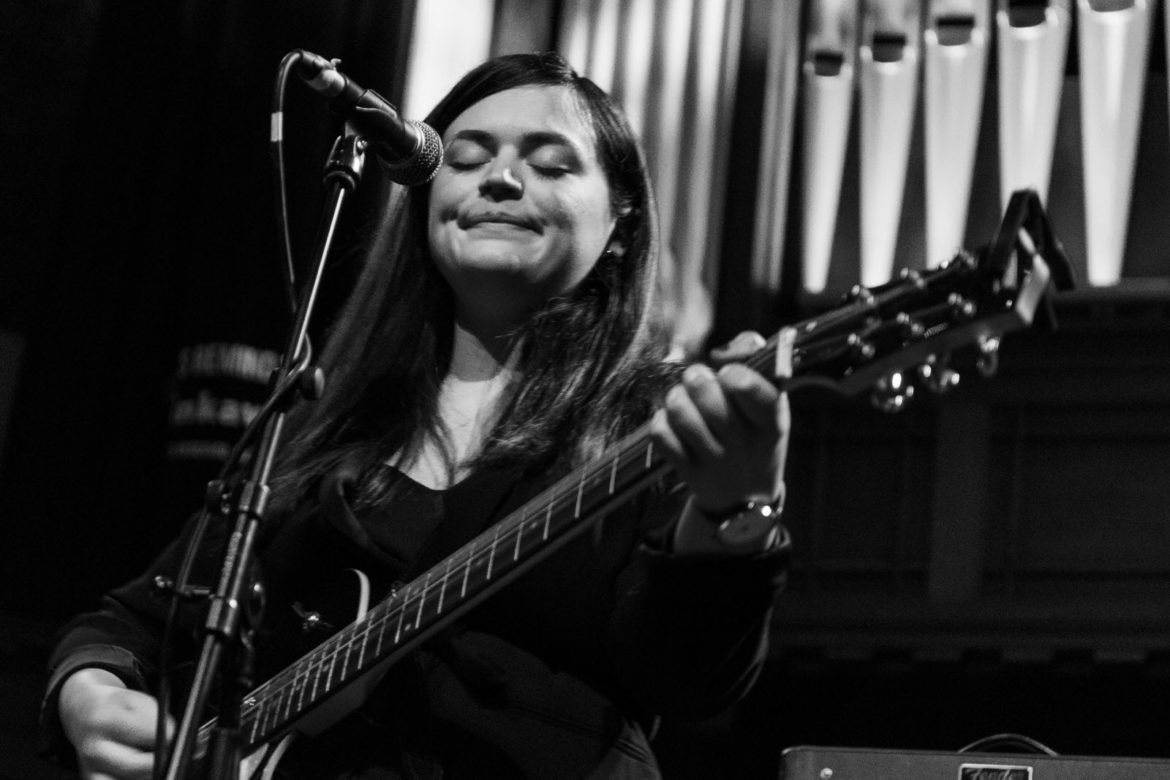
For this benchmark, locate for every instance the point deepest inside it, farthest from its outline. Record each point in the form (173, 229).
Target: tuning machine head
(988, 360)
(892, 393)
(935, 375)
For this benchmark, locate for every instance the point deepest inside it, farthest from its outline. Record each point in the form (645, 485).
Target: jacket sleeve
(689, 634)
(123, 635)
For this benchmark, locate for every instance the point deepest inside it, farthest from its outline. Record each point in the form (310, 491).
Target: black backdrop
(137, 227)
(152, 236)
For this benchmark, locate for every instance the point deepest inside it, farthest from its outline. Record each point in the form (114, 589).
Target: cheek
(442, 198)
(441, 214)
(593, 227)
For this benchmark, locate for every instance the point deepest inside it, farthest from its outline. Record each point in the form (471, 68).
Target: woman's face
(520, 210)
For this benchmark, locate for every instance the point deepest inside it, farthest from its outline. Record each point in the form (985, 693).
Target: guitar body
(263, 763)
(344, 598)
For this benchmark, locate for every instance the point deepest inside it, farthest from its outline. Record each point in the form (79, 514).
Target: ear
(620, 236)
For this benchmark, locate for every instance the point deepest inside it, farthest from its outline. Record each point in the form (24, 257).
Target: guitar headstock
(900, 336)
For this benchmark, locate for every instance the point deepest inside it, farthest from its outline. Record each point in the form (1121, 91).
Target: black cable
(1016, 743)
(278, 396)
(276, 148)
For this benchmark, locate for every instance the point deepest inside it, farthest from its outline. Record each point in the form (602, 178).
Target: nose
(501, 183)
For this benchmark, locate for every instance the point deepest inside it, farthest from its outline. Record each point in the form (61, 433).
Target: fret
(324, 676)
(331, 653)
(291, 691)
(325, 669)
(649, 453)
(310, 661)
(422, 601)
(295, 692)
(519, 534)
(344, 645)
(253, 716)
(443, 586)
(492, 554)
(314, 671)
(365, 641)
(299, 690)
(352, 647)
(613, 475)
(252, 710)
(282, 701)
(256, 723)
(262, 703)
(381, 627)
(333, 663)
(547, 520)
(580, 488)
(401, 615)
(467, 569)
(362, 647)
(280, 711)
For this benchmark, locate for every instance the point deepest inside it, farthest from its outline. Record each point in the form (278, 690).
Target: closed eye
(549, 171)
(461, 165)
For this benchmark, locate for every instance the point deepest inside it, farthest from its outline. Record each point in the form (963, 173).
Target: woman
(502, 335)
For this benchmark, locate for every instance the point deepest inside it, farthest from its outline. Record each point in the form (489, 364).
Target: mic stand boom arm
(227, 639)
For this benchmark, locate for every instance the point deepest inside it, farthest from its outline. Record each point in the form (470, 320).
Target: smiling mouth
(498, 219)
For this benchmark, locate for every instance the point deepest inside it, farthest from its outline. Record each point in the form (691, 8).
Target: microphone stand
(227, 638)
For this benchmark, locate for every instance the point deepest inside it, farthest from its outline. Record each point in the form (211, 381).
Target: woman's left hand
(725, 430)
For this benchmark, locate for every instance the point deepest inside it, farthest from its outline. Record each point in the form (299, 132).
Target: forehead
(530, 110)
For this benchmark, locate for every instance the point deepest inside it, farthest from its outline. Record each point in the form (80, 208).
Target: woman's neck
(476, 356)
(471, 396)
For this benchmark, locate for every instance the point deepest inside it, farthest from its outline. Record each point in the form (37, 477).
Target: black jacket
(558, 674)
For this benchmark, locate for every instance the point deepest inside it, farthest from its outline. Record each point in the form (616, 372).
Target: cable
(1016, 743)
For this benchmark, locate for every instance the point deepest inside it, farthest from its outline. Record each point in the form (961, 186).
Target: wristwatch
(755, 524)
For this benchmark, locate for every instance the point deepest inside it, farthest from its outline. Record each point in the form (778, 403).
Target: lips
(497, 218)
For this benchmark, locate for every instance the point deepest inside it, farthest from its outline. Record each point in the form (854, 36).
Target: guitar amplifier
(836, 763)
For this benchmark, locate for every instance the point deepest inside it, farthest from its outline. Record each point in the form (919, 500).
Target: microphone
(411, 151)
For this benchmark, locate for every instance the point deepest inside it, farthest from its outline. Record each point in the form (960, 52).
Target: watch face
(748, 527)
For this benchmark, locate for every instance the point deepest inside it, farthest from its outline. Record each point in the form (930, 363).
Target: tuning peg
(911, 329)
(936, 377)
(860, 348)
(892, 392)
(912, 277)
(860, 294)
(963, 308)
(988, 360)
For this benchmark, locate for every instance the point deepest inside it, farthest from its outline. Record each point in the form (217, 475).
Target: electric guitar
(871, 341)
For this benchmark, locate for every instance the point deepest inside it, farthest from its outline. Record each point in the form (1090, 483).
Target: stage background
(994, 560)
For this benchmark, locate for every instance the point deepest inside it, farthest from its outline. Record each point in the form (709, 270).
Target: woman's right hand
(111, 727)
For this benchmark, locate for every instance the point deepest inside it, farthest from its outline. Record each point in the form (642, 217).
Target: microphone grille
(420, 167)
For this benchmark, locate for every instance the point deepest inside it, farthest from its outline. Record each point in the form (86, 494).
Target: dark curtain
(164, 243)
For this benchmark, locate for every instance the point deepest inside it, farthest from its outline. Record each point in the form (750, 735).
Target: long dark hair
(591, 362)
